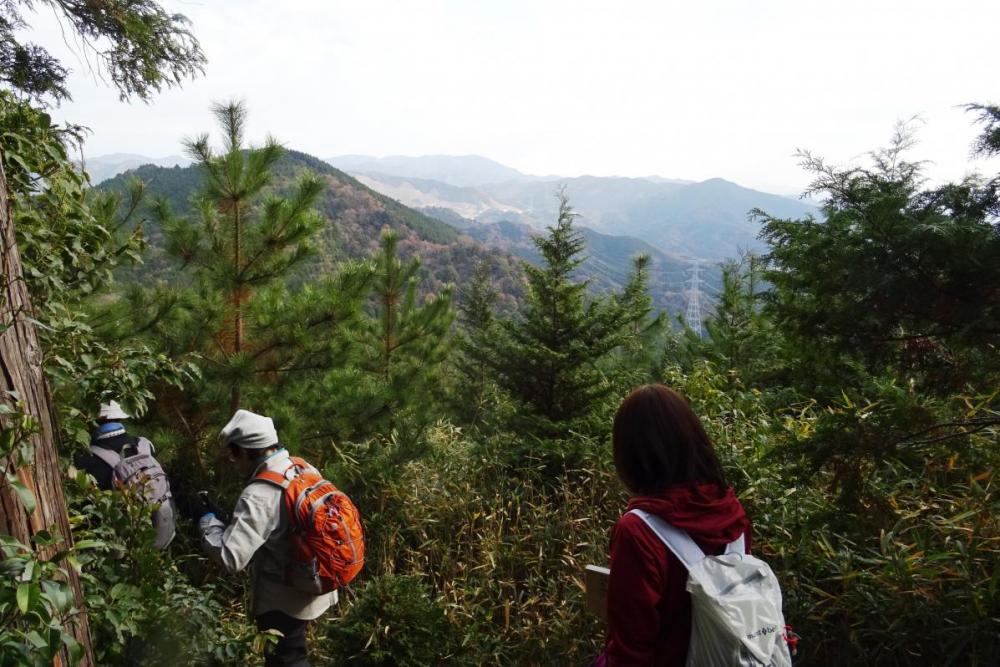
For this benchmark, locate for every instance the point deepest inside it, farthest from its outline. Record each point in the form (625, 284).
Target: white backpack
(736, 618)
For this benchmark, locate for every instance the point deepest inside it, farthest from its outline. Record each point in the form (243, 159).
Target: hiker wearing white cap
(258, 535)
(109, 434)
(117, 459)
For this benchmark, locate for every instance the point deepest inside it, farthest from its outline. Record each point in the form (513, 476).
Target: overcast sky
(684, 90)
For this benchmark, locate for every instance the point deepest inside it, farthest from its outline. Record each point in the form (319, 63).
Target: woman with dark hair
(666, 460)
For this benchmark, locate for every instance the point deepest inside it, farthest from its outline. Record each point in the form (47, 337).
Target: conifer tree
(399, 346)
(238, 250)
(640, 355)
(548, 357)
(895, 274)
(473, 378)
(234, 248)
(740, 336)
(141, 46)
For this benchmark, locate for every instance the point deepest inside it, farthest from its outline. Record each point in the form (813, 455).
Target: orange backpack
(328, 546)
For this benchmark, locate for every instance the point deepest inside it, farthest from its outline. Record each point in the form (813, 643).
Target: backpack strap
(737, 546)
(303, 465)
(296, 466)
(272, 477)
(112, 459)
(281, 479)
(675, 539)
(144, 446)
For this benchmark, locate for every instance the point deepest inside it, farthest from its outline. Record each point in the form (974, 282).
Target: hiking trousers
(290, 651)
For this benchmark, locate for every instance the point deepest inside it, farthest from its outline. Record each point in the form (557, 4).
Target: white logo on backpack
(736, 617)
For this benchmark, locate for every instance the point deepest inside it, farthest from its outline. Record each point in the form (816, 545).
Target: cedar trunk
(21, 365)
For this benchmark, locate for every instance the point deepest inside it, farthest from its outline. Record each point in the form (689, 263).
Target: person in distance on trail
(117, 459)
(258, 535)
(666, 460)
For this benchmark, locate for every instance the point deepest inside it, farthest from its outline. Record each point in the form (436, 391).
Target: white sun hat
(112, 411)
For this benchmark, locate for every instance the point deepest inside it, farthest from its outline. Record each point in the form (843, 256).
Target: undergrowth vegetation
(478, 450)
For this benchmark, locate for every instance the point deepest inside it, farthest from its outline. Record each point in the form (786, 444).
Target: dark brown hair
(658, 441)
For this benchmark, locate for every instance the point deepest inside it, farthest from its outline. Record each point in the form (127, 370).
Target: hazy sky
(684, 90)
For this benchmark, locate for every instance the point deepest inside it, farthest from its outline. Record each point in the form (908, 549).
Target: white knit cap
(249, 431)
(112, 411)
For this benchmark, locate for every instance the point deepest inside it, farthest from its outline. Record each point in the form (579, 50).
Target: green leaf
(43, 538)
(58, 594)
(20, 161)
(82, 545)
(36, 639)
(74, 562)
(82, 436)
(26, 496)
(74, 648)
(55, 640)
(27, 596)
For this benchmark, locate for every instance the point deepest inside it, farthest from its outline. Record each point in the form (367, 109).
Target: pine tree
(238, 244)
(548, 358)
(392, 381)
(239, 249)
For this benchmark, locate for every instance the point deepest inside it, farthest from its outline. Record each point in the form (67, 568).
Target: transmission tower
(692, 316)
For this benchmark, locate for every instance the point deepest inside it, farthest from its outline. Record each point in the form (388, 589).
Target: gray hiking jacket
(258, 535)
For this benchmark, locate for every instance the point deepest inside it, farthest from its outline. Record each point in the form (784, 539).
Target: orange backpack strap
(283, 480)
(279, 479)
(272, 477)
(303, 465)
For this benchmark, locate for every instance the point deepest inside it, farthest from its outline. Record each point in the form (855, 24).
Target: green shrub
(393, 622)
(886, 556)
(142, 607)
(504, 547)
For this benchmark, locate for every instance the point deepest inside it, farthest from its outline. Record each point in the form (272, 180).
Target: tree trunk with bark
(23, 387)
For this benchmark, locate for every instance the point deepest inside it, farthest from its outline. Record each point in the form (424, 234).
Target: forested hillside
(848, 377)
(449, 252)
(607, 262)
(354, 215)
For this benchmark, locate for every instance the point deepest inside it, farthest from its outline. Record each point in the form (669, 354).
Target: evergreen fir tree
(741, 337)
(641, 354)
(548, 357)
(474, 388)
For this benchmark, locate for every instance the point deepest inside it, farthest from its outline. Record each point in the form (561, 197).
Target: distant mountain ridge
(707, 219)
(103, 167)
(450, 247)
(356, 216)
(607, 259)
(454, 227)
(458, 170)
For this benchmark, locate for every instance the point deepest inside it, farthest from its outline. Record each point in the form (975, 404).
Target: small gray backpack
(136, 467)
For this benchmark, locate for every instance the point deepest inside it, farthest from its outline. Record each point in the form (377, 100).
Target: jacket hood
(711, 518)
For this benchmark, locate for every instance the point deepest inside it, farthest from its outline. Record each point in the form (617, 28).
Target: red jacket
(649, 610)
